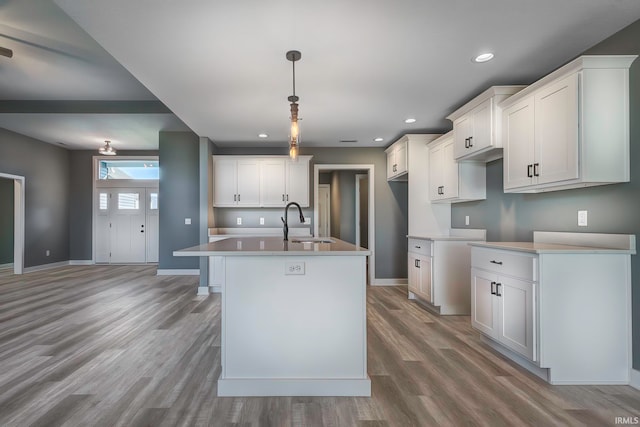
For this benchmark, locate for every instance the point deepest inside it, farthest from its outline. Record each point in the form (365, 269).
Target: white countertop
(542, 248)
(454, 234)
(449, 238)
(271, 246)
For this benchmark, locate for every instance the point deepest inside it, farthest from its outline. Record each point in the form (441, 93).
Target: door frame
(18, 221)
(111, 183)
(372, 232)
(327, 186)
(359, 177)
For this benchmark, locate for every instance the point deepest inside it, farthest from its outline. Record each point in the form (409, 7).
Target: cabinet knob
(417, 247)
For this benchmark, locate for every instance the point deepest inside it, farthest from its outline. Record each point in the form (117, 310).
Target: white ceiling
(366, 65)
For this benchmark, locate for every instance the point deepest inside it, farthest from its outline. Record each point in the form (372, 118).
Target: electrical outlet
(261, 221)
(294, 268)
(466, 220)
(307, 220)
(239, 221)
(582, 218)
(47, 252)
(187, 221)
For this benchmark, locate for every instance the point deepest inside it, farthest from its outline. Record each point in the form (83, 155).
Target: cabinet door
(462, 129)
(516, 331)
(224, 182)
(436, 181)
(391, 164)
(298, 182)
(424, 271)
(401, 158)
(556, 131)
(413, 273)
(272, 183)
(248, 178)
(482, 126)
(484, 312)
(449, 172)
(518, 138)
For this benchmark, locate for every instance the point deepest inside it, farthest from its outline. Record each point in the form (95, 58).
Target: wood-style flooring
(120, 346)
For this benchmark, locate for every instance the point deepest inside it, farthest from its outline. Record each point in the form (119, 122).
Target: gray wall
(390, 203)
(46, 171)
(80, 202)
(6, 221)
(179, 198)
(612, 208)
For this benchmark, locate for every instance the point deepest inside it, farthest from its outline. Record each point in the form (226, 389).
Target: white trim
(203, 291)
(390, 282)
(6, 266)
(46, 266)
(215, 289)
(18, 221)
(359, 177)
(293, 387)
(328, 187)
(178, 272)
(372, 221)
(634, 379)
(81, 262)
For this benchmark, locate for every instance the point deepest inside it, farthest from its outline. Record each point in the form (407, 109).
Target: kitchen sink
(312, 240)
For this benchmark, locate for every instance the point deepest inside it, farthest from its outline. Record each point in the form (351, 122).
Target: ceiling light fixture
(379, 139)
(107, 150)
(483, 57)
(294, 134)
(6, 52)
(263, 135)
(409, 121)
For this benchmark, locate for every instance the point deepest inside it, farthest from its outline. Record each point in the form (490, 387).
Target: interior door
(152, 229)
(127, 217)
(324, 210)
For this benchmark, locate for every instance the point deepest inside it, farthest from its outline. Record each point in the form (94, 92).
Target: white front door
(126, 225)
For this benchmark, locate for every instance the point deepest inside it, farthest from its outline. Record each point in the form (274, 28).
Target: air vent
(349, 140)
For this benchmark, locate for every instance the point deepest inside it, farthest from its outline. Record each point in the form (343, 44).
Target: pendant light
(294, 134)
(107, 150)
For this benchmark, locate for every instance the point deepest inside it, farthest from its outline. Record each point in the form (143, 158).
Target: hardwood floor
(120, 346)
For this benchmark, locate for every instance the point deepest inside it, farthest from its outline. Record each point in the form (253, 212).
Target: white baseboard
(8, 266)
(178, 272)
(215, 289)
(203, 291)
(46, 266)
(389, 282)
(634, 379)
(81, 262)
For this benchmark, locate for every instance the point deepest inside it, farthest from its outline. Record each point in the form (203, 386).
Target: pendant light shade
(294, 133)
(107, 150)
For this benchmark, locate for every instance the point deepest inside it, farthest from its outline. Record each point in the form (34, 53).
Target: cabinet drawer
(420, 246)
(505, 262)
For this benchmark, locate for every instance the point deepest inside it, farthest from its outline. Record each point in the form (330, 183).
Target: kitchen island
(293, 316)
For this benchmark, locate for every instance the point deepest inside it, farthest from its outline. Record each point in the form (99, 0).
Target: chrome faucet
(285, 228)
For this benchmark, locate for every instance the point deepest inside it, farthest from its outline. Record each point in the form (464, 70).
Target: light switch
(466, 220)
(582, 218)
(261, 221)
(187, 221)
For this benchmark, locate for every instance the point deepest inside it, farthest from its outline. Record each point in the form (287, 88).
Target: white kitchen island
(293, 317)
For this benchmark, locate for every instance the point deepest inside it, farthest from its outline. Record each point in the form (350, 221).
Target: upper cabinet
(570, 129)
(397, 160)
(476, 125)
(263, 181)
(450, 181)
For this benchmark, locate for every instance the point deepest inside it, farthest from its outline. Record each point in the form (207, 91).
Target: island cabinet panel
(561, 311)
(570, 129)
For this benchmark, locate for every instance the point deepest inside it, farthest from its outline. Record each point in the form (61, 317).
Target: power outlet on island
(261, 221)
(582, 218)
(294, 268)
(239, 221)
(466, 220)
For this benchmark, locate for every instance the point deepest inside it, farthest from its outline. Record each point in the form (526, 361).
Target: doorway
(362, 217)
(13, 222)
(324, 210)
(366, 210)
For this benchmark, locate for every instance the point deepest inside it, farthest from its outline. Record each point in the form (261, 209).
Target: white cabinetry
(236, 182)
(569, 129)
(476, 125)
(559, 306)
(283, 181)
(397, 160)
(451, 181)
(503, 306)
(419, 268)
(263, 181)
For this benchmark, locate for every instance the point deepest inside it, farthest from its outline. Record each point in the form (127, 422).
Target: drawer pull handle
(498, 289)
(493, 291)
(417, 247)
(495, 262)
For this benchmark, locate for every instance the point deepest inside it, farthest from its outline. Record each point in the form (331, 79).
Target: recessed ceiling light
(483, 57)
(263, 135)
(410, 120)
(379, 139)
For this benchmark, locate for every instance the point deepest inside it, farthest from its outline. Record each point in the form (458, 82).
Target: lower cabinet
(502, 307)
(419, 274)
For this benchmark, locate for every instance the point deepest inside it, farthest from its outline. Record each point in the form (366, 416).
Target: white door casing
(324, 210)
(18, 221)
